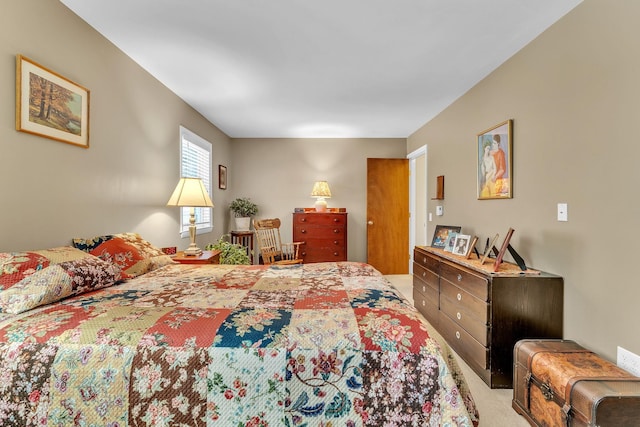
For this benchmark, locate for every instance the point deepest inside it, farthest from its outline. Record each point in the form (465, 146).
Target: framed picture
(472, 245)
(441, 234)
(495, 162)
(487, 250)
(451, 239)
(222, 177)
(461, 244)
(503, 249)
(50, 105)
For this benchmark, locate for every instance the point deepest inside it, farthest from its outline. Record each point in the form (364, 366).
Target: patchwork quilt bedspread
(328, 344)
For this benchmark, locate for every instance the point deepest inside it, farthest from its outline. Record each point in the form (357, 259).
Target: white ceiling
(320, 68)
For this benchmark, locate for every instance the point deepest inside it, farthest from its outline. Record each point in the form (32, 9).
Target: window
(195, 162)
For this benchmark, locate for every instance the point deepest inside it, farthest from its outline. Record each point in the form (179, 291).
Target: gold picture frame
(495, 162)
(50, 105)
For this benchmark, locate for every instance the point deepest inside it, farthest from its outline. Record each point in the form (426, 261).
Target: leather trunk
(560, 383)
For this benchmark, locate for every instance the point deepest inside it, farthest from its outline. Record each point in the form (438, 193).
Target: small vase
(243, 223)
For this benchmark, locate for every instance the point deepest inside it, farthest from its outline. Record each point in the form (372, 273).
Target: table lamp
(191, 192)
(321, 192)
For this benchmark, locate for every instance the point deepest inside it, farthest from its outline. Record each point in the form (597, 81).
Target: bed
(98, 343)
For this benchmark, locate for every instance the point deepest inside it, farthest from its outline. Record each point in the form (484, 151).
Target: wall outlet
(628, 361)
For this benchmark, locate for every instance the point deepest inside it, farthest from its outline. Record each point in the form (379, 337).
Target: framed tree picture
(50, 105)
(495, 162)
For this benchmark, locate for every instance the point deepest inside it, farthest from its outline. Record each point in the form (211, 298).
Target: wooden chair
(272, 250)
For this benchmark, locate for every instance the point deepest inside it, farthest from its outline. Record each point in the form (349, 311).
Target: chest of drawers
(482, 315)
(323, 235)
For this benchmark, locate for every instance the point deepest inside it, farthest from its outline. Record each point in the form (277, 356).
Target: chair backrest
(268, 238)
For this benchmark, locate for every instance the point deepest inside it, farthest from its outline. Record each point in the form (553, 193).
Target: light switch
(430, 217)
(563, 214)
(439, 210)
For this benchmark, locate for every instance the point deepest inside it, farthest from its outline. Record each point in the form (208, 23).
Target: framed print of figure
(495, 162)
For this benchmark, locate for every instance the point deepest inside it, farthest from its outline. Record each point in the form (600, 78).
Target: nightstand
(206, 257)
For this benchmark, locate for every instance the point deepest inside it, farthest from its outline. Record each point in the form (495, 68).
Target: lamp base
(193, 251)
(321, 205)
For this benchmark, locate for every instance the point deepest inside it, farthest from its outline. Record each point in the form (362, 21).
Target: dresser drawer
(315, 254)
(427, 276)
(462, 342)
(476, 328)
(307, 232)
(430, 294)
(322, 219)
(426, 308)
(472, 283)
(426, 261)
(464, 302)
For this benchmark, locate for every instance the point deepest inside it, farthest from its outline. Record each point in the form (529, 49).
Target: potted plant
(243, 209)
(230, 253)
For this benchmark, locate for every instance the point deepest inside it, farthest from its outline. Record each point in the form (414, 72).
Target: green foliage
(230, 253)
(243, 207)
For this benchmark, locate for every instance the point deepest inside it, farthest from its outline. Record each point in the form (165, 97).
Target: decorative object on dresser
(561, 383)
(481, 313)
(321, 192)
(441, 234)
(323, 234)
(243, 209)
(191, 193)
(461, 244)
(272, 249)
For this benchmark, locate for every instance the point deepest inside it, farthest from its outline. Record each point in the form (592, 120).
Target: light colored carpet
(494, 405)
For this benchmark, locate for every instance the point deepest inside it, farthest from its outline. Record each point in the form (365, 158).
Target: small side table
(244, 238)
(206, 257)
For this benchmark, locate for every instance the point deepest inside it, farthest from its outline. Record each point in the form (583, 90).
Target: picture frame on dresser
(487, 250)
(441, 234)
(461, 244)
(503, 249)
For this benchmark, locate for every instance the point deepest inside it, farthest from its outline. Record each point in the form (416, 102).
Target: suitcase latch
(546, 391)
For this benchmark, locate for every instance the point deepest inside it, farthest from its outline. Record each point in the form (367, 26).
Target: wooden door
(388, 215)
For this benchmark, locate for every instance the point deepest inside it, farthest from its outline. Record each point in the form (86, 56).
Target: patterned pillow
(129, 251)
(15, 266)
(58, 281)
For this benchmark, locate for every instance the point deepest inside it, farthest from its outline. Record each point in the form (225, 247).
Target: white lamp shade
(321, 189)
(190, 192)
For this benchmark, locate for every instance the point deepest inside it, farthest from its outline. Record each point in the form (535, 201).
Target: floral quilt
(327, 344)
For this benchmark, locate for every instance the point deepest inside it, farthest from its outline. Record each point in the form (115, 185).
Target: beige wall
(278, 175)
(574, 96)
(52, 191)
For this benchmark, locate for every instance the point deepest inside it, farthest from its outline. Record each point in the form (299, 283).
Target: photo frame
(495, 162)
(451, 239)
(503, 249)
(471, 247)
(50, 105)
(441, 234)
(222, 177)
(461, 244)
(487, 250)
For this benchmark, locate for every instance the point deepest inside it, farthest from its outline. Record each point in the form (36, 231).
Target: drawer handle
(423, 303)
(303, 231)
(459, 296)
(335, 219)
(424, 274)
(303, 219)
(458, 315)
(336, 231)
(458, 334)
(459, 277)
(335, 254)
(424, 260)
(335, 242)
(424, 288)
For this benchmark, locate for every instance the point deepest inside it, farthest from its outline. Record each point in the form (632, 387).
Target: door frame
(414, 187)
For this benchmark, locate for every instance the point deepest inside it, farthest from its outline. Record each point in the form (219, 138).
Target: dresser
(482, 314)
(323, 235)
